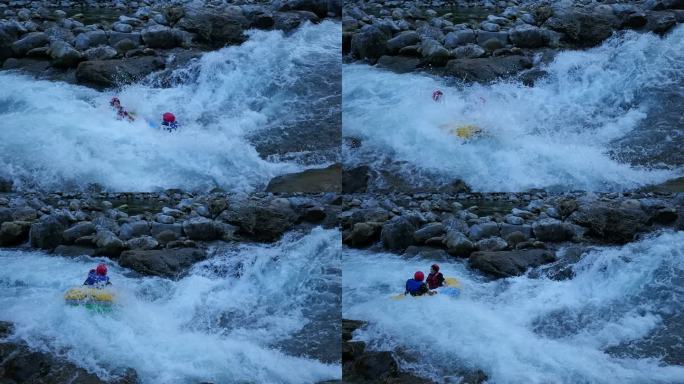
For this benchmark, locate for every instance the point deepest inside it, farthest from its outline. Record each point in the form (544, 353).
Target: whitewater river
(251, 313)
(248, 113)
(619, 320)
(607, 118)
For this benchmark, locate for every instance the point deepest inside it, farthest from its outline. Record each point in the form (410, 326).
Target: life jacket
(415, 287)
(169, 126)
(435, 280)
(96, 280)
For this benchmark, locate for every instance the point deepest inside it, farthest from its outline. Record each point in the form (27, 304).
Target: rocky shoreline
(505, 234)
(160, 234)
(41, 38)
(502, 39)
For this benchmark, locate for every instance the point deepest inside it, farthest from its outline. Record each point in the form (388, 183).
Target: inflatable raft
(99, 300)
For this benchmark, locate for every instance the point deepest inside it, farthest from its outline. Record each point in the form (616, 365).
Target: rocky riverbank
(506, 234)
(110, 43)
(482, 41)
(155, 233)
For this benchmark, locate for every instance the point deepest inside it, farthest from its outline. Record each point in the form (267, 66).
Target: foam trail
(230, 320)
(556, 134)
(56, 136)
(615, 321)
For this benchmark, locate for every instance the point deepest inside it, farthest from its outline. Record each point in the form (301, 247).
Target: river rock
(582, 27)
(492, 244)
(157, 228)
(397, 234)
(309, 181)
(142, 242)
(552, 230)
(526, 36)
(46, 233)
(401, 40)
(215, 29)
(81, 229)
(14, 232)
(103, 52)
(63, 54)
(458, 244)
(89, 39)
(376, 366)
(288, 21)
(509, 263)
(457, 38)
(481, 231)
(487, 69)
(434, 53)
(610, 223)
(112, 72)
(369, 43)
(165, 263)
(468, 51)
(122, 27)
(355, 180)
(363, 234)
(661, 22)
(428, 231)
(133, 229)
(24, 214)
(262, 223)
(114, 38)
(159, 36)
(201, 228)
(28, 42)
(108, 244)
(9, 32)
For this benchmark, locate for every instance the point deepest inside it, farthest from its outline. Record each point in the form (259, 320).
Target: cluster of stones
(504, 244)
(164, 240)
(43, 40)
(405, 35)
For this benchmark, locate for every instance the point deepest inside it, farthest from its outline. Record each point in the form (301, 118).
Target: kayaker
(97, 277)
(169, 122)
(416, 286)
(435, 279)
(121, 113)
(437, 95)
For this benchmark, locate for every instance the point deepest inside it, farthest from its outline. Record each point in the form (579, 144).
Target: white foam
(524, 330)
(56, 135)
(557, 133)
(208, 326)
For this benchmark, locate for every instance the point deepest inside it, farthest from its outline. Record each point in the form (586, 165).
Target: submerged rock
(509, 263)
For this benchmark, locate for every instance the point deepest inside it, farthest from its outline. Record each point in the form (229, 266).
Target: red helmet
(419, 276)
(435, 267)
(437, 94)
(169, 117)
(101, 269)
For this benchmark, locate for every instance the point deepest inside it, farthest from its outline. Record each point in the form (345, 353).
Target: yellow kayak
(466, 131)
(89, 294)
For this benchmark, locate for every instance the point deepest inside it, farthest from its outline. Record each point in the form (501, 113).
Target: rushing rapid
(618, 320)
(607, 118)
(252, 313)
(60, 136)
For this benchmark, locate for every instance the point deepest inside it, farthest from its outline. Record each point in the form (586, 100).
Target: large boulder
(166, 263)
(552, 230)
(46, 233)
(581, 27)
(401, 40)
(308, 181)
(509, 263)
(458, 244)
(527, 36)
(262, 223)
(214, 28)
(363, 234)
(434, 53)
(14, 232)
(458, 38)
(320, 7)
(288, 21)
(110, 73)
(487, 69)
(142, 242)
(134, 229)
(89, 39)
(108, 244)
(201, 228)
(63, 54)
(159, 36)
(492, 244)
(355, 180)
(484, 230)
(9, 32)
(369, 43)
(81, 229)
(376, 366)
(610, 223)
(427, 232)
(397, 234)
(28, 42)
(114, 37)
(103, 52)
